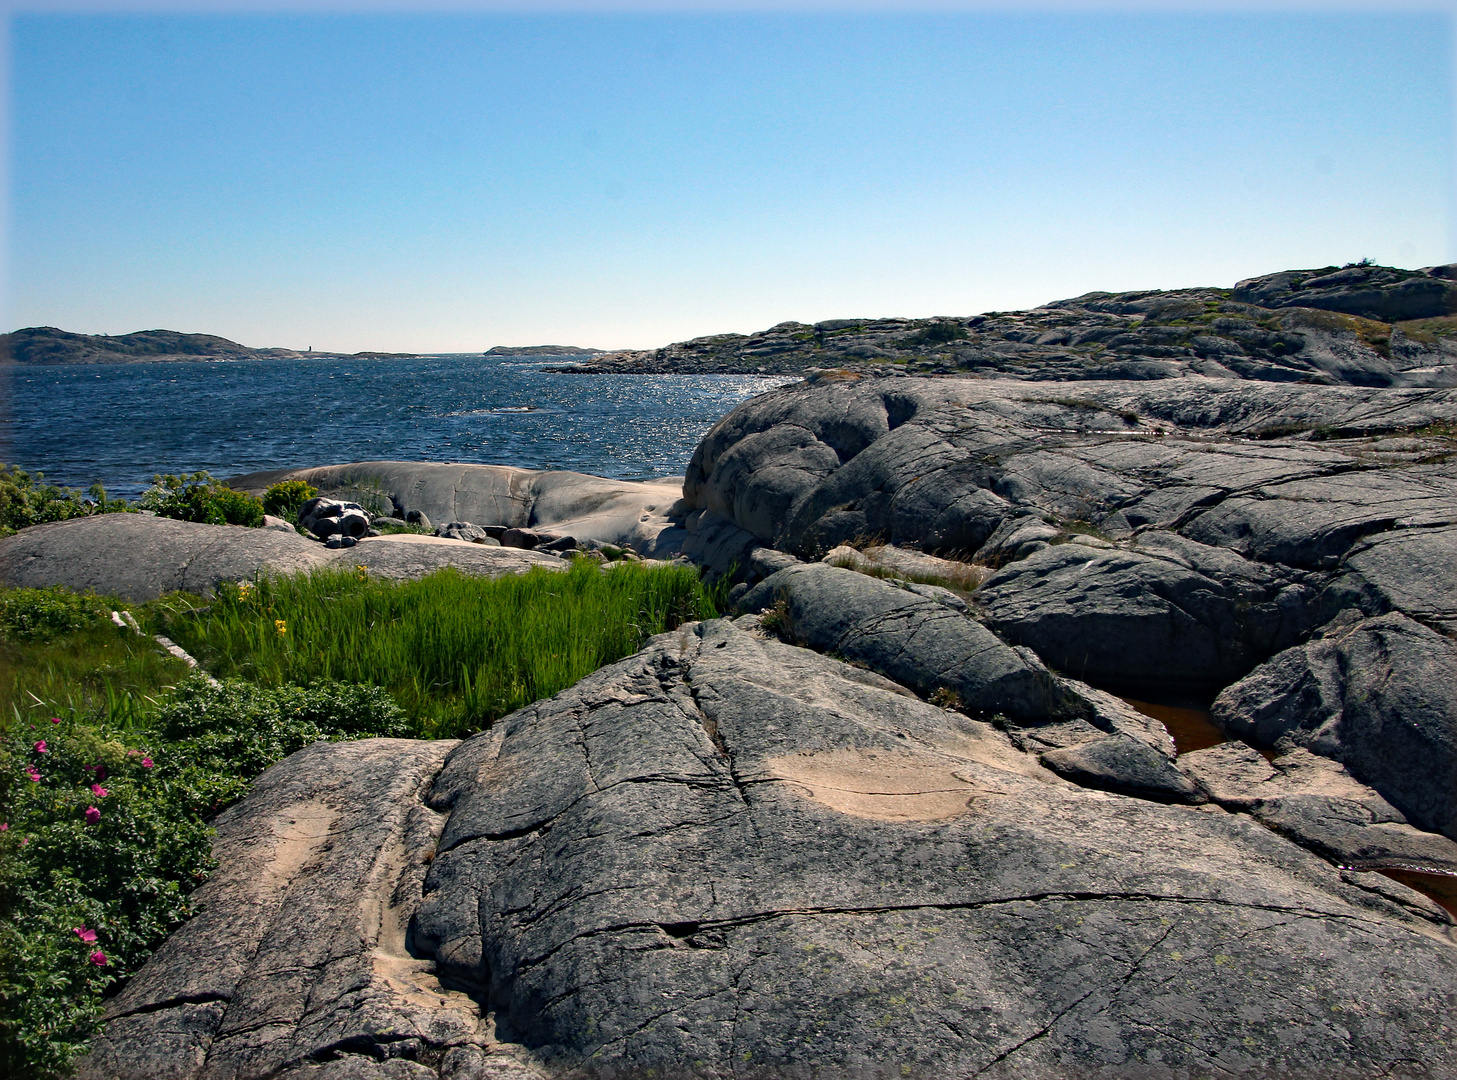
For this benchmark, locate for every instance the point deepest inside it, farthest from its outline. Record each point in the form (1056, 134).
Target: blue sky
(456, 181)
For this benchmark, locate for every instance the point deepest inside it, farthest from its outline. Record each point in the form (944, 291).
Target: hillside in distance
(1360, 324)
(542, 350)
(49, 345)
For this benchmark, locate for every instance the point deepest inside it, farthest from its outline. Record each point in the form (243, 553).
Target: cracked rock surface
(728, 856)
(1165, 537)
(1289, 548)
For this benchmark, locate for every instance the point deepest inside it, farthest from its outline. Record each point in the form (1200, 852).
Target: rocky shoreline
(898, 819)
(1360, 325)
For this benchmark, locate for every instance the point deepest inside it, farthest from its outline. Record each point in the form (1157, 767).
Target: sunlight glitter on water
(122, 423)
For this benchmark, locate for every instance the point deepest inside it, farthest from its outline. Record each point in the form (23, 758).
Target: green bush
(26, 501)
(37, 614)
(106, 833)
(284, 498)
(201, 498)
(223, 736)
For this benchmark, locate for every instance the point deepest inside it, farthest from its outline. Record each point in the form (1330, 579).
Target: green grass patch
(61, 655)
(1430, 331)
(454, 651)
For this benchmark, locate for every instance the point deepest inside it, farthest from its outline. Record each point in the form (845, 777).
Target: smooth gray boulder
(927, 642)
(1377, 694)
(1160, 615)
(1130, 766)
(642, 515)
(139, 557)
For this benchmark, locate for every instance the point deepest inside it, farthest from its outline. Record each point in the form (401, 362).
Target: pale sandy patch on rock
(876, 784)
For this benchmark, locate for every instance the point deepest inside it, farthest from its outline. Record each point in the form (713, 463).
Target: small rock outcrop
(645, 516)
(1377, 694)
(465, 530)
(1316, 802)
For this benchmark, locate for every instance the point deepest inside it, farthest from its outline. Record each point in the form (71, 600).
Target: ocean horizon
(121, 424)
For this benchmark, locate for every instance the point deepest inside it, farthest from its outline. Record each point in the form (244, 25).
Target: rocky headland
(1362, 325)
(897, 815)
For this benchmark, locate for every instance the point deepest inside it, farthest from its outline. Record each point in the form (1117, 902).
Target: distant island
(542, 350)
(48, 345)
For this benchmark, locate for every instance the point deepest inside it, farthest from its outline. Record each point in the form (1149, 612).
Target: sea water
(123, 423)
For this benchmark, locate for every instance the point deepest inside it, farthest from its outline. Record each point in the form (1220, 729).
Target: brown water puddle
(1440, 887)
(1190, 726)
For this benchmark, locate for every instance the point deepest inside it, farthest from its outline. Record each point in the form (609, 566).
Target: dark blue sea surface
(123, 423)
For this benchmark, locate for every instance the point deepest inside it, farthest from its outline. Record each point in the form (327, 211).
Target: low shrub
(201, 498)
(104, 834)
(284, 498)
(25, 500)
(38, 614)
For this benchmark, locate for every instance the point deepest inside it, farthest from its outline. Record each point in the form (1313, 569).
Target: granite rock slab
(139, 557)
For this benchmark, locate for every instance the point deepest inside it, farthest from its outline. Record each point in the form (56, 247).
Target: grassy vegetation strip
(60, 654)
(454, 651)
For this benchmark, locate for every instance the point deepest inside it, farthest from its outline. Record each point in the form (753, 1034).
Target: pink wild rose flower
(98, 958)
(93, 815)
(99, 791)
(146, 763)
(32, 773)
(40, 747)
(88, 936)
